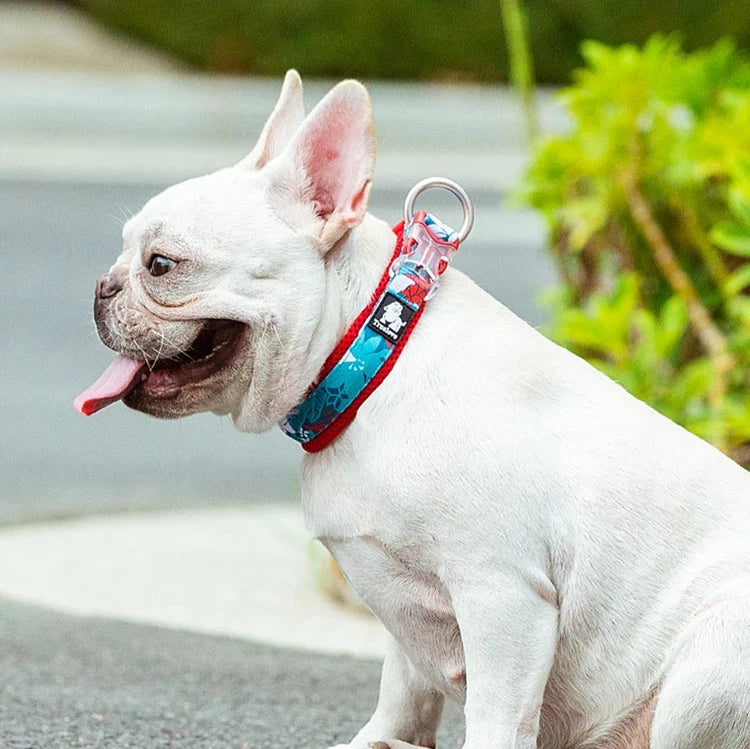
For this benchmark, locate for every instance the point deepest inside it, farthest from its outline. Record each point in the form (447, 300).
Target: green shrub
(647, 199)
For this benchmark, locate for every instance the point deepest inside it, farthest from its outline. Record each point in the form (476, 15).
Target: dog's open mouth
(213, 348)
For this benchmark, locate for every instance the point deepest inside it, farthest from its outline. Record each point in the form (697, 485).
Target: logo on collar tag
(391, 318)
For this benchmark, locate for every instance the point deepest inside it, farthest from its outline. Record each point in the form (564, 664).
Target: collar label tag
(391, 318)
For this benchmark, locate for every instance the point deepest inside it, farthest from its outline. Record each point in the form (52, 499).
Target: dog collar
(372, 344)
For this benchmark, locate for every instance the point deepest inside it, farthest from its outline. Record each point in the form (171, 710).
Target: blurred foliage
(648, 203)
(419, 39)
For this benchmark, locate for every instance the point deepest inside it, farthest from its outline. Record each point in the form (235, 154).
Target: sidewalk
(232, 571)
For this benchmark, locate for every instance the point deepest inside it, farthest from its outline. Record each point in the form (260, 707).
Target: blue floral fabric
(340, 387)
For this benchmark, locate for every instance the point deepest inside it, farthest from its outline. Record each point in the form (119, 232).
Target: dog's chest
(379, 525)
(411, 602)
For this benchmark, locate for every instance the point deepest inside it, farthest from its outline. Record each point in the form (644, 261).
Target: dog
(542, 547)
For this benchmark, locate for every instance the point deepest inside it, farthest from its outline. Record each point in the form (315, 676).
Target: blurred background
(606, 147)
(105, 103)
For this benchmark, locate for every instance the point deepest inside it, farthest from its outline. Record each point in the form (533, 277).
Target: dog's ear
(330, 160)
(287, 116)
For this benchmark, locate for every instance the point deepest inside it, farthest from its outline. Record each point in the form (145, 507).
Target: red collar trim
(352, 331)
(346, 417)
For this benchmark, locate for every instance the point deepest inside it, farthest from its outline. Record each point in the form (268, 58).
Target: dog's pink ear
(283, 122)
(334, 156)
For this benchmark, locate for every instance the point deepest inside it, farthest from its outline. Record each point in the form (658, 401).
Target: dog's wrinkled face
(194, 293)
(221, 284)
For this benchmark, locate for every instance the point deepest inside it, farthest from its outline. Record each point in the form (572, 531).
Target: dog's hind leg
(704, 700)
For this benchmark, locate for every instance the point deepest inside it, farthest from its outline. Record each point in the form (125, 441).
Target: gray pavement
(82, 682)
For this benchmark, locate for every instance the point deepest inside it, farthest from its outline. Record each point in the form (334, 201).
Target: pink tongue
(117, 380)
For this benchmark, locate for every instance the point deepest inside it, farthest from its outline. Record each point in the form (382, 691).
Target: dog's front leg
(509, 634)
(408, 711)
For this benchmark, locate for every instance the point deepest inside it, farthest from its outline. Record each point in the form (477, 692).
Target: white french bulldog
(544, 548)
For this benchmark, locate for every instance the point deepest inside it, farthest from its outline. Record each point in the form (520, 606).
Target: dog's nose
(109, 285)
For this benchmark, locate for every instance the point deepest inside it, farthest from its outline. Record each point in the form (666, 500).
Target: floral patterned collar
(372, 344)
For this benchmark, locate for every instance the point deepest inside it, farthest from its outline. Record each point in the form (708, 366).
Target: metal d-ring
(446, 184)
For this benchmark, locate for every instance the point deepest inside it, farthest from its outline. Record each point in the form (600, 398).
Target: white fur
(543, 547)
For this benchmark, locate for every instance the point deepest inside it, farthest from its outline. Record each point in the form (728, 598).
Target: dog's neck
(358, 264)
(355, 267)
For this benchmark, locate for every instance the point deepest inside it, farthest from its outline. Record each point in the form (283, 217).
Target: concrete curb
(227, 571)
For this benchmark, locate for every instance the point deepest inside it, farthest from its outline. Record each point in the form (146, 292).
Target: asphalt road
(91, 683)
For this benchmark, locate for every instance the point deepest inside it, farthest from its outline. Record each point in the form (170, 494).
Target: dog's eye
(158, 265)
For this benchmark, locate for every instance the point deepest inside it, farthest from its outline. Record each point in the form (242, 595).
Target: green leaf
(693, 381)
(584, 217)
(576, 327)
(738, 308)
(732, 237)
(673, 322)
(738, 281)
(739, 202)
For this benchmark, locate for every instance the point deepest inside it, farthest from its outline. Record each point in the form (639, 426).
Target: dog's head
(221, 286)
